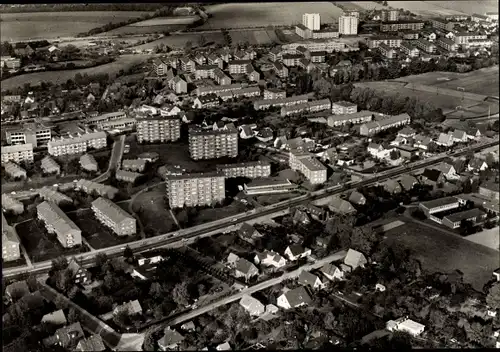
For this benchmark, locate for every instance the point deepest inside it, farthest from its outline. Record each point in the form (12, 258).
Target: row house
(291, 60)
(252, 169)
(374, 127)
(51, 195)
(178, 85)
(239, 66)
(401, 25)
(390, 41)
(360, 117)
(447, 44)
(221, 78)
(206, 101)
(205, 71)
(344, 107)
(114, 217)
(77, 144)
(13, 170)
(244, 92)
(272, 93)
(312, 106)
(310, 167)
(202, 91)
(442, 24)
(426, 45)
(56, 221)
(409, 49)
(386, 51)
(17, 153)
(91, 187)
(293, 100)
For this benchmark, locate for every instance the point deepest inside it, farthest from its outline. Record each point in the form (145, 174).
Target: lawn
(153, 212)
(468, 7)
(135, 30)
(57, 77)
(488, 238)
(42, 246)
(208, 214)
(442, 252)
(51, 25)
(276, 198)
(97, 235)
(257, 37)
(424, 8)
(179, 40)
(160, 21)
(362, 5)
(15, 263)
(244, 15)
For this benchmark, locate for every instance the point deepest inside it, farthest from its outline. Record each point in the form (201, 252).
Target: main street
(178, 238)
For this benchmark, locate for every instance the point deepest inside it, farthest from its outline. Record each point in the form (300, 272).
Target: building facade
(348, 25)
(56, 221)
(77, 144)
(34, 133)
(312, 21)
(251, 169)
(158, 129)
(114, 217)
(312, 169)
(195, 189)
(206, 144)
(17, 153)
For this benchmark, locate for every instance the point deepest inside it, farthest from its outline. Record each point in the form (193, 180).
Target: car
(184, 240)
(234, 220)
(12, 192)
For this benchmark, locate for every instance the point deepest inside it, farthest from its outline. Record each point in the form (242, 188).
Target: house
(357, 198)
(490, 190)
(248, 233)
(17, 290)
(189, 326)
(332, 272)
(69, 335)
(406, 325)
(265, 135)
(80, 274)
(252, 305)
(459, 136)
(246, 132)
(55, 318)
(432, 177)
(447, 170)
(377, 151)
(323, 241)
(294, 298)
(270, 258)
(355, 259)
(407, 132)
(244, 268)
(295, 252)
(445, 140)
(10, 241)
(206, 101)
(407, 182)
(477, 165)
(421, 142)
(496, 274)
(341, 206)
(170, 340)
(232, 259)
(131, 308)
(311, 280)
(392, 186)
(301, 217)
(93, 343)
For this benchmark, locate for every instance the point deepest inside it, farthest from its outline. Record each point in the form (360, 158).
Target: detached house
(447, 170)
(378, 151)
(432, 177)
(477, 165)
(357, 198)
(296, 252)
(459, 136)
(252, 305)
(445, 140)
(310, 280)
(248, 233)
(270, 258)
(80, 274)
(206, 101)
(245, 269)
(355, 259)
(294, 298)
(332, 272)
(170, 340)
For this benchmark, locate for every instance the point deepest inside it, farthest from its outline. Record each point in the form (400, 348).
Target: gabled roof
(341, 206)
(56, 318)
(354, 258)
(459, 134)
(476, 163)
(245, 267)
(307, 279)
(20, 288)
(94, 343)
(298, 296)
(70, 333)
(247, 230)
(431, 174)
(171, 337)
(297, 249)
(251, 304)
(329, 269)
(357, 197)
(443, 167)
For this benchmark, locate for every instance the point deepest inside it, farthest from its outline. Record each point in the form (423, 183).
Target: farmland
(474, 260)
(424, 8)
(244, 15)
(154, 25)
(159, 21)
(58, 77)
(362, 5)
(468, 7)
(50, 25)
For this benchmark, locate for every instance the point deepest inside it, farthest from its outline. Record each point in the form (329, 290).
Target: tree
(188, 46)
(156, 290)
(202, 40)
(493, 297)
(73, 315)
(400, 340)
(128, 254)
(180, 294)
(64, 280)
(101, 259)
(60, 263)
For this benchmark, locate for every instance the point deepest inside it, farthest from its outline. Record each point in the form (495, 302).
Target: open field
(40, 245)
(160, 21)
(266, 200)
(50, 25)
(153, 212)
(362, 5)
(424, 8)
(136, 30)
(97, 235)
(443, 252)
(239, 15)
(488, 238)
(180, 40)
(254, 37)
(483, 81)
(468, 7)
(58, 77)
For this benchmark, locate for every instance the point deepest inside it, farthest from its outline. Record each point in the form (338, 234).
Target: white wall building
(311, 21)
(348, 25)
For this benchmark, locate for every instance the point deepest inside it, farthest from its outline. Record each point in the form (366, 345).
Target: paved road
(178, 238)
(261, 286)
(114, 159)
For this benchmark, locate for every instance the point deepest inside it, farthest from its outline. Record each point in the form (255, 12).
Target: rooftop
(439, 202)
(464, 215)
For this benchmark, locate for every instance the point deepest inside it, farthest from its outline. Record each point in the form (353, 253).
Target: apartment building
(127, 176)
(239, 66)
(114, 217)
(409, 49)
(442, 24)
(291, 60)
(253, 169)
(205, 71)
(195, 189)
(244, 92)
(127, 123)
(161, 129)
(134, 164)
(447, 44)
(202, 91)
(465, 37)
(439, 205)
(409, 35)
(344, 107)
(313, 106)
(34, 133)
(49, 166)
(401, 25)
(267, 103)
(391, 41)
(221, 78)
(213, 59)
(88, 163)
(13, 170)
(454, 221)
(200, 59)
(386, 51)
(391, 15)
(77, 144)
(425, 45)
(187, 65)
(268, 186)
(17, 153)
(318, 56)
(56, 221)
(99, 120)
(280, 69)
(10, 242)
(178, 85)
(311, 21)
(272, 93)
(51, 195)
(363, 116)
(206, 101)
(374, 127)
(348, 25)
(213, 144)
(91, 187)
(160, 67)
(312, 169)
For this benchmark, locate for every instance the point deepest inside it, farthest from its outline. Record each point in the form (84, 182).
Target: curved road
(178, 238)
(114, 159)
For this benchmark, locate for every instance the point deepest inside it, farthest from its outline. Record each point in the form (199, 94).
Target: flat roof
(196, 175)
(464, 215)
(439, 202)
(268, 182)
